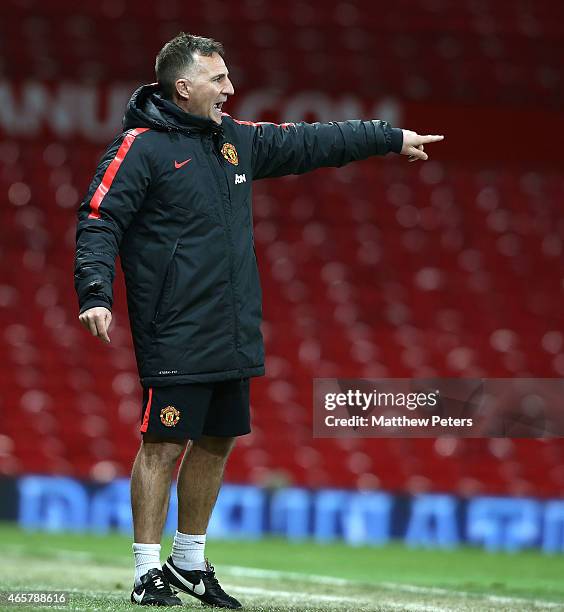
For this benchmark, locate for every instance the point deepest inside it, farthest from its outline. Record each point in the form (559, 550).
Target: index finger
(430, 138)
(102, 328)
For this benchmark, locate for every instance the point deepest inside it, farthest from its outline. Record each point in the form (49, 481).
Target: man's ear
(182, 87)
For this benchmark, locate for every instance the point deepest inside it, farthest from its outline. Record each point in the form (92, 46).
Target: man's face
(207, 87)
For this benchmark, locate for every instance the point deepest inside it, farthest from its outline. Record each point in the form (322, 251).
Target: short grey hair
(177, 57)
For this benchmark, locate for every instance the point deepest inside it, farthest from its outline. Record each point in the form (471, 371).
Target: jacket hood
(147, 108)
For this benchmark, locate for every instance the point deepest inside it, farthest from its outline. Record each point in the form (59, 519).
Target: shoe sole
(155, 605)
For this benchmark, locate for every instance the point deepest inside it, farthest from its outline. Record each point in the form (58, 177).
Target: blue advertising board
(356, 517)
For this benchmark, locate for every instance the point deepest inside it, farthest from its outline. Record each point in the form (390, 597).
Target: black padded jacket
(172, 197)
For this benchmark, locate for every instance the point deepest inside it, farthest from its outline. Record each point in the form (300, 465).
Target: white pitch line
(412, 588)
(255, 572)
(252, 572)
(415, 607)
(295, 594)
(315, 598)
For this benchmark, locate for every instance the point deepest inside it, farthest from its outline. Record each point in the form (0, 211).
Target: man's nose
(229, 89)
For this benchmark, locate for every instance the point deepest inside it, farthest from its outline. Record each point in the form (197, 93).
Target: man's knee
(215, 445)
(162, 451)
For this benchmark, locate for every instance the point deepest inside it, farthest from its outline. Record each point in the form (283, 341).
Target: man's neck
(182, 104)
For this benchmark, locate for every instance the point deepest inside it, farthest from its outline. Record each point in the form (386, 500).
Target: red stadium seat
(377, 269)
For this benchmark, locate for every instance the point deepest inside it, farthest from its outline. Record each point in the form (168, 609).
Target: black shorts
(197, 409)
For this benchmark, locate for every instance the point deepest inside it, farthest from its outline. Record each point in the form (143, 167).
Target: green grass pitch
(273, 575)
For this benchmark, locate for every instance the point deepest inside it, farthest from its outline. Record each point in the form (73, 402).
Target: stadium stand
(378, 269)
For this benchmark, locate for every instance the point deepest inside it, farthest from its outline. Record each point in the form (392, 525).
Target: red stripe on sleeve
(257, 123)
(111, 172)
(145, 423)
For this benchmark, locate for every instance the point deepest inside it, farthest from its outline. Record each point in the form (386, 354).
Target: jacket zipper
(168, 272)
(227, 210)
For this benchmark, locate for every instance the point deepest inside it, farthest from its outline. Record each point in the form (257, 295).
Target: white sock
(147, 556)
(188, 551)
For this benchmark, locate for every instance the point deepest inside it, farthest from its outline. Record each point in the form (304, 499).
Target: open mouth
(218, 106)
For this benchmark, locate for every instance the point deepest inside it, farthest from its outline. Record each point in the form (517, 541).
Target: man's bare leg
(150, 491)
(199, 480)
(150, 487)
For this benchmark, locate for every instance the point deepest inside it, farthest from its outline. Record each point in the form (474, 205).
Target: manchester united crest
(230, 153)
(170, 416)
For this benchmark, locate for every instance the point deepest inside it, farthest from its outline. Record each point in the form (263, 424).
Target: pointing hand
(413, 145)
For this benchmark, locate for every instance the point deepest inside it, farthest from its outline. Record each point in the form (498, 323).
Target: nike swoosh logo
(199, 588)
(138, 598)
(180, 164)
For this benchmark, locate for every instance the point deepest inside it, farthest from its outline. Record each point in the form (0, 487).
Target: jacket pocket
(166, 290)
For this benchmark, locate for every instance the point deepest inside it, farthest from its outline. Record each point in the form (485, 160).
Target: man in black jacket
(172, 196)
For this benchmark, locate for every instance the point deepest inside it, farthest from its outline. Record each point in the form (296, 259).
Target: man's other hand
(97, 321)
(413, 145)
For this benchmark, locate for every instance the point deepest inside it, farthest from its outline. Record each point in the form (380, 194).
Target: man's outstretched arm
(291, 148)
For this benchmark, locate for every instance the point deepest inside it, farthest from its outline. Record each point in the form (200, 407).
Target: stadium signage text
(357, 517)
(95, 112)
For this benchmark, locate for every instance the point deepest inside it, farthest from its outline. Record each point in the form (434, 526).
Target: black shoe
(202, 585)
(154, 590)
